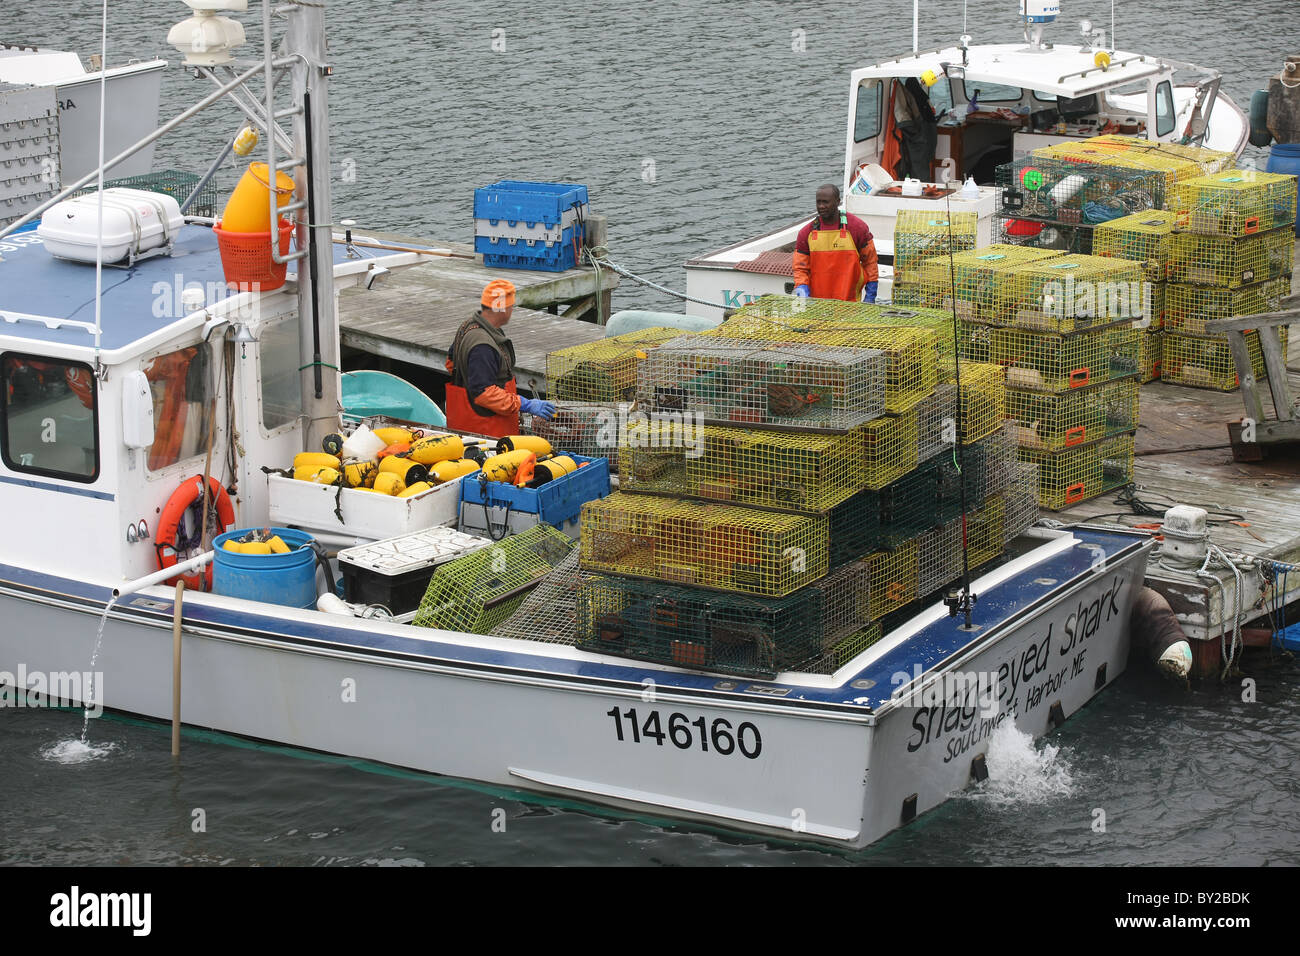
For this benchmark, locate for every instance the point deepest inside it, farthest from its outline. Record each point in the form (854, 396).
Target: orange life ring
(187, 496)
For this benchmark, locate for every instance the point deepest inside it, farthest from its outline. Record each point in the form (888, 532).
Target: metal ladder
(272, 119)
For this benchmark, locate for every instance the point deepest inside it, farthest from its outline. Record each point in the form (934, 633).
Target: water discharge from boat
(76, 750)
(1020, 773)
(88, 703)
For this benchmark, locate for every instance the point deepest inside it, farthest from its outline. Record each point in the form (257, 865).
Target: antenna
(964, 601)
(916, 26)
(1113, 45)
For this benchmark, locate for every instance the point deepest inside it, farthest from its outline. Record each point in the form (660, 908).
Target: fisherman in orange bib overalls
(835, 256)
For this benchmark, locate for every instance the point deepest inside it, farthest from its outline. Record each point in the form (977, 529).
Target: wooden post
(176, 668)
(598, 235)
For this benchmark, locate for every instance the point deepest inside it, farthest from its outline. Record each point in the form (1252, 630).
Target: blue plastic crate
(512, 201)
(501, 253)
(555, 502)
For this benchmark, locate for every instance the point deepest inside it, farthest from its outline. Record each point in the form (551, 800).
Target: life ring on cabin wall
(190, 495)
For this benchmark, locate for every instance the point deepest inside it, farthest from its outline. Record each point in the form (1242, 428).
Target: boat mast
(304, 40)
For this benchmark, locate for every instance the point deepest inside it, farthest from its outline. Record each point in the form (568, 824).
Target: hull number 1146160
(685, 734)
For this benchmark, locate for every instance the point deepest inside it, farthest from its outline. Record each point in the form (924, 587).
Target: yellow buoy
(533, 443)
(436, 448)
(249, 208)
(1102, 59)
(317, 458)
(503, 467)
(387, 483)
(450, 470)
(412, 490)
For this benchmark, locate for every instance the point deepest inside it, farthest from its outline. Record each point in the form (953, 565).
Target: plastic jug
(363, 443)
(911, 186)
(969, 189)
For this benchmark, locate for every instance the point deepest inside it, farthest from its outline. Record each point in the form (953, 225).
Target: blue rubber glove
(869, 291)
(802, 291)
(536, 406)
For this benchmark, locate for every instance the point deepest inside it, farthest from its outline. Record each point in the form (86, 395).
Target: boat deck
(412, 316)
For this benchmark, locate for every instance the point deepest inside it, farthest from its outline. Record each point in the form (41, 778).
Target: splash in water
(74, 751)
(1020, 773)
(90, 689)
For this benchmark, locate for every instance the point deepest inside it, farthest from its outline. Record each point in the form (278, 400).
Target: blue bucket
(287, 579)
(1285, 158)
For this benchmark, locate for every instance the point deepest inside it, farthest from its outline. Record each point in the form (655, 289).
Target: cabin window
(281, 354)
(49, 418)
(866, 120)
(1164, 109)
(181, 386)
(992, 93)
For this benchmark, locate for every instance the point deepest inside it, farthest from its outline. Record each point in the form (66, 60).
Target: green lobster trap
(1235, 203)
(549, 612)
(1142, 238)
(922, 233)
(1206, 361)
(788, 471)
(1228, 262)
(727, 380)
(476, 593)
(1080, 472)
(726, 547)
(853, 528)
(1190, 307)
(604, 370)
(1051, 421)
(728, 633)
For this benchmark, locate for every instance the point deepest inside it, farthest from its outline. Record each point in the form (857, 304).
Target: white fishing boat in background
(55, 100)
(121, 390)
(994, 103)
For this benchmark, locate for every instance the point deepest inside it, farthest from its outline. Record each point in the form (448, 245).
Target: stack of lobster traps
(790, 486)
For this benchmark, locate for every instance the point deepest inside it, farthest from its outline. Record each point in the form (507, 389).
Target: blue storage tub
(513, 201)
(285, 579)
(555, 502)
(502, 253)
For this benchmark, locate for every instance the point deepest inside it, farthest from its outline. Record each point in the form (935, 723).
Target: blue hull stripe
(61, 489)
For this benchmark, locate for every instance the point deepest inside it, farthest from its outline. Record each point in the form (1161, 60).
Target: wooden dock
(412, 316)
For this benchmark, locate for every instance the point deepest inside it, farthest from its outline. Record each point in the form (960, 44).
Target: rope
(600, 257)
(1228, 653)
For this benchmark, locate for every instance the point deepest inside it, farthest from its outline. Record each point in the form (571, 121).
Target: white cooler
(136, 221)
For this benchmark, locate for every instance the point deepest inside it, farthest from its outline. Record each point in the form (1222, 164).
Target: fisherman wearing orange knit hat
(482, 396)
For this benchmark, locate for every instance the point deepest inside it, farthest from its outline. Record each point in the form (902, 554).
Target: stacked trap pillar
(788, 486)
(1231, 254)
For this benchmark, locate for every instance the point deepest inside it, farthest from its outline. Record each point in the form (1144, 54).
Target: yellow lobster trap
(1206, 361)
(1066, 293)
(920, 234)
(604, 370)
(762, 383)
(1142, 237)
(1080, 472)
(788, 471)
(1045, 361)
(1051, 421)
(726, 547)
(976, 277)
(1229, 262)
(1235, 203)
(1150, 354)
(1189, 307)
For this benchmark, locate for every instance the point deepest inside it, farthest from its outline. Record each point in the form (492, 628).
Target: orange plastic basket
(246, 257)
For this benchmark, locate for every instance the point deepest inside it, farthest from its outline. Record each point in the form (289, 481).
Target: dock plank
(413, 315)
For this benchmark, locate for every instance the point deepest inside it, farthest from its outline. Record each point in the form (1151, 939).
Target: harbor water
(694, 125)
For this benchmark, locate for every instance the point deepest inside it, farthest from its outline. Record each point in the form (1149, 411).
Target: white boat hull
(810, 763)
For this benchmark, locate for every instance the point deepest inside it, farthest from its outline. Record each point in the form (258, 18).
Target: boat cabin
(88, 470)
(996, 102)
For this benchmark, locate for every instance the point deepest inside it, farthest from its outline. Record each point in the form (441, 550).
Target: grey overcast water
(740, 129)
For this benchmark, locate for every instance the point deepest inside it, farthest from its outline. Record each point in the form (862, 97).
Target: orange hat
(498, 295)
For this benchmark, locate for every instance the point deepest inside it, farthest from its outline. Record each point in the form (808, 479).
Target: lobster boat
(739, 674)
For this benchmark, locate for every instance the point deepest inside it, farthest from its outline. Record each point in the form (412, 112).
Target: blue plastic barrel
(1285, 158)
(287, 579)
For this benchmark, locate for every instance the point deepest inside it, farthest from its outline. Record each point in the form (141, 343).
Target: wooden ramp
(412, 316)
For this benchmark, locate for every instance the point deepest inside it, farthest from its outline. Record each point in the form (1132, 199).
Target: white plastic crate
(307, 505)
